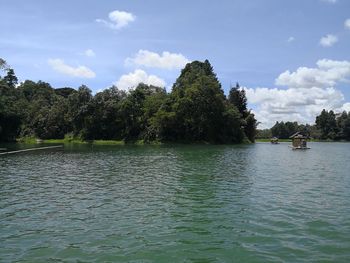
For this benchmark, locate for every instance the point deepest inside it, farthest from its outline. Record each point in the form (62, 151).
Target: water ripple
(250, 203)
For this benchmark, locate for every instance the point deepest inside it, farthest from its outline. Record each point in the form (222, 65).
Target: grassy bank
(33, 140)
(70, 140)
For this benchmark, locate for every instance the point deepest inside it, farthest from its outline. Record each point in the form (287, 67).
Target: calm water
(251, 203)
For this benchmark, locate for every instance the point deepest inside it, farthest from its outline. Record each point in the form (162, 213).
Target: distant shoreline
(289, 140)
(33, 140)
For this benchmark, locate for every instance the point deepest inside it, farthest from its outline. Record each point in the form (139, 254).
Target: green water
(250, 203)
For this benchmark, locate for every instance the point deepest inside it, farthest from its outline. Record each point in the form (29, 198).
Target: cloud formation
(131, 80)
(328, 40)
(166, 60)
(301, 105)
(347, 23)
(327, 74)
(309, 90)
(58, 65)
(117, 19)
(89, 53)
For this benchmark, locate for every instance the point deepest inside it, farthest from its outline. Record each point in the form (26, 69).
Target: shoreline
(289, 140)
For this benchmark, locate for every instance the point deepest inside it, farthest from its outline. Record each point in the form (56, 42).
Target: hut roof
(298, 135)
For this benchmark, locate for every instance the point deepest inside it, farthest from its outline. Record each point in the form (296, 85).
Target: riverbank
(289, 140)
(32, 140)
(72, 140)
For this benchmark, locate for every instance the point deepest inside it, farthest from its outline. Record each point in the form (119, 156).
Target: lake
(176, 203)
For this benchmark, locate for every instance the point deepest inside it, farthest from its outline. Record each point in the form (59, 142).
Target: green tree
(326, 123)
(11, 79)
(80, 111)
(3, 65)
(198, 107)
(10, 119)
(198, 103)
(107, 115)
(238, 98)
(250, 128)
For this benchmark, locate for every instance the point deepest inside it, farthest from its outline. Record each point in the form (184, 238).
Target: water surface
(247, 203)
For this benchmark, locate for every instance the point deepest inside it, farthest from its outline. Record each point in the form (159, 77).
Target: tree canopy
(196, 110)
(328, 126)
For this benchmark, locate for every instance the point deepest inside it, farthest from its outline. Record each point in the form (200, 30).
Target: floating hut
(274, 140)
(299, 141)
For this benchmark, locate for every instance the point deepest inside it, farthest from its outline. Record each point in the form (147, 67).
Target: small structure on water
(299, 141)
(274, 140)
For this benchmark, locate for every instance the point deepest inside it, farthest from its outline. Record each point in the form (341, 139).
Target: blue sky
(69, 43)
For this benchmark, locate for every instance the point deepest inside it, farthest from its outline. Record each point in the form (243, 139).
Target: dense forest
(196, 110)
(328, 126)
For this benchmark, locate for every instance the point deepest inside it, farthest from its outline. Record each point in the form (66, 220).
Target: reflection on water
(247, 203)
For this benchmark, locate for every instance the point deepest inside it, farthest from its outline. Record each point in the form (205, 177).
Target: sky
(291, 57)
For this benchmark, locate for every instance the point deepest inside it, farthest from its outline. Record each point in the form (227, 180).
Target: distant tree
(10, 118)
(250, 128)
(238, 98)
(107, 114)
(280, 130)
(346, 128)
(199, 107)
(65, 92)
(343, 126)
(263, 133)
(3, 65)
(51, 122)
(326, 123)
(11, 79)
(80, 111)
(195, 110)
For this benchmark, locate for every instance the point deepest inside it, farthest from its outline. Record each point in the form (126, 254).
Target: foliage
(10, 79)
(196, 110)
(328, 126)
(238, 98)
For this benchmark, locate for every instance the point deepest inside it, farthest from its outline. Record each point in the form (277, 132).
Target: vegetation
(196, 110)
(328, 126)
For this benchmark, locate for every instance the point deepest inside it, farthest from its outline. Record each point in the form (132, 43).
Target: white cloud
(328, 40)
(327, 73)
(290, 39)
(166, 60)
(80, 71)
(309, 90)
(347, 23)
(329, 1)
(346, 107)
(89, 53)
(118, 19)
(301, 105)
(131, 80)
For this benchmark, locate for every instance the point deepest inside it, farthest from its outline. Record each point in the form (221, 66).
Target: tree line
(328, 126)
(196, 110)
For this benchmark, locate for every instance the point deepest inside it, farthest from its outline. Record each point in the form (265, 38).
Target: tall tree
(198, 104)
(238, 98)
(10, 78)
(250, 128)
(326, 123)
